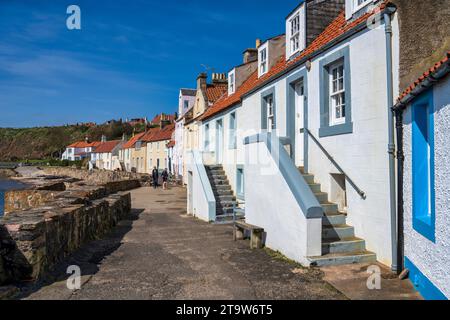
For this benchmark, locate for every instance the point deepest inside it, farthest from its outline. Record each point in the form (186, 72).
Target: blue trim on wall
(264, 96)
(291, 116)
(296, 182)
(424, 212)
(422, 284)
(325, 128)
(239, 195)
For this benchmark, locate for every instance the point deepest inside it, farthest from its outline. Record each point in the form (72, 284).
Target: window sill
(424, 226)
(336, 130)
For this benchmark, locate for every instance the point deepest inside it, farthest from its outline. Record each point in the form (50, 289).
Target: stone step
(219, 182)
(322, 197)
(216, 172)
(344, 246)
(222, 198)
(302, 170)
(329, 208)
(228, 218)
(338, 232)
(334, 220)
(309, 178)
(315, 187)
(222, 193)
(214, 167)
(226, 203)
(221, 188)
(222, 211)
(343, 258)
(217, 176)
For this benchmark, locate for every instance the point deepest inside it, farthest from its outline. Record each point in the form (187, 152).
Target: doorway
(190, 195)
(299, 123)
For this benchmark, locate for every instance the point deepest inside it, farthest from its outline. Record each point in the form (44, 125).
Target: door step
(337, 232)
(343, 246)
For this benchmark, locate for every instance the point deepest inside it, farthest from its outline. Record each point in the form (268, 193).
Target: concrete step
(219, 182)
(343, 258)
(227, 218)
(315, 187)
(226, 203)
(217, 176)
(222, 211)
(309, 178)
(216, 172)
(344, 246)
(329, 208)
(218, 193)
(334, 220)
(338, 232)
(322, 197)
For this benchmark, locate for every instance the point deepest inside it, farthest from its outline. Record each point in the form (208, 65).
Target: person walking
(155, 177)
(165, 178)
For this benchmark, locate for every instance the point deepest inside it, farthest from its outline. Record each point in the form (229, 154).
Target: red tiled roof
(424, 76)
(335, 29)
(167, 117)
(130, 144)
(171, 144)
(157, 134)
(215, 91)
(84, 144)
(107, 147)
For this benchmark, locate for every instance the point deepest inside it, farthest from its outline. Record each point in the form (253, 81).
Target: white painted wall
(271, 205)
(433, 259)
(203, 204)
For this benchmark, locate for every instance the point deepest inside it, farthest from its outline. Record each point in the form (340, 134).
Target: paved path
(160, 253)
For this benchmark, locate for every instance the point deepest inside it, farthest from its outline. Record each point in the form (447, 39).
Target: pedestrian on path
(155, 177)
(165, 178)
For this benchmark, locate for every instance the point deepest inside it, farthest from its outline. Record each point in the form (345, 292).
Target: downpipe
(391, 140)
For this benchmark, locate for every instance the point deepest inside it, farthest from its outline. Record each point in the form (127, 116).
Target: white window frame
(357, 7)
(263, 65)
(207, 137)
(231, 82)
(338, 93)
(294, 34)
(270, 113)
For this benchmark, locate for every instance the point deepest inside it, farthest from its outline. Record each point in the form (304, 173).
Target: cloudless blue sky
(129, 60)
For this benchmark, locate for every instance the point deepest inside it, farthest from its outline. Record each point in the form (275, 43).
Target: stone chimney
(201, 81)
(250, 55)
(218, 78)
(319, 14)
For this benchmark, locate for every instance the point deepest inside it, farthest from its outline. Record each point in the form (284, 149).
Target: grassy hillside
(49, 142)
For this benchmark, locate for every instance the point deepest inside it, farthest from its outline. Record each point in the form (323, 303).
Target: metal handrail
(358, 190)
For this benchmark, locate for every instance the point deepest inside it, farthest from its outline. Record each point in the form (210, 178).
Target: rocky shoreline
(7, 173)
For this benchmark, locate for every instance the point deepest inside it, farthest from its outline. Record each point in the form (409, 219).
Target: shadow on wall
(88, 257)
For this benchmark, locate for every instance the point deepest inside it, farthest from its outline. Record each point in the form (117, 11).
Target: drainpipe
(391, 146)
(400, 166)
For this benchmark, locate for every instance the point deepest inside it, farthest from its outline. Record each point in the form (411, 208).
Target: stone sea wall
(61, 210)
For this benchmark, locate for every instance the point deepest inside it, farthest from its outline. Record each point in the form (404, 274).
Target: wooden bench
(256, 238)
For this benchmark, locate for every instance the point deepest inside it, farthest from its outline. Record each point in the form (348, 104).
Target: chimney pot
(258, 43)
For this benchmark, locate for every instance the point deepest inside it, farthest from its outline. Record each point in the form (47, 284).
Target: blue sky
(129, 60)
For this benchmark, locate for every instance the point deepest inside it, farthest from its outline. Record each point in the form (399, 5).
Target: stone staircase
(225, 199)
(339, 244)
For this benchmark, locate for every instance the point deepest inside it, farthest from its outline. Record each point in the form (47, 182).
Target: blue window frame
(232, 137)
(335, 94)
(424, 217)
(240, 183)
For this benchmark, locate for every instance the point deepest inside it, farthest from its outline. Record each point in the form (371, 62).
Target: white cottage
(307, 140)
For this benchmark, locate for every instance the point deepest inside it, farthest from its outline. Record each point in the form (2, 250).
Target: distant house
(127, 154)
(186, 100)
(162, 120)
(80, 150)
(157, 151)
(107, 155)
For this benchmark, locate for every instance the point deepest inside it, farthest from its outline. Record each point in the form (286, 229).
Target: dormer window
(263, 61)
(295, 32)
(355, 6)
(231, 82)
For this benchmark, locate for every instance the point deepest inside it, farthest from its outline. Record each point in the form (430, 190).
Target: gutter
(391, 9)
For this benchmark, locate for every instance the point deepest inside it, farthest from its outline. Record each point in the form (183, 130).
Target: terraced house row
(141, 153)
(319, 138)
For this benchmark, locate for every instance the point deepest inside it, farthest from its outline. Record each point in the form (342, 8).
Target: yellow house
(157, 141)
(132, 154)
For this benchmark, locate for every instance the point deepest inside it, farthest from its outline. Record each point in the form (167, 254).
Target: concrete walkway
(160, 253)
